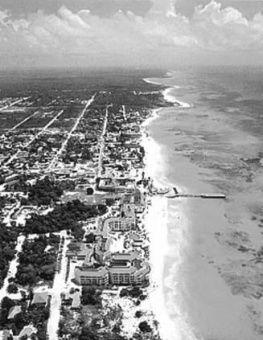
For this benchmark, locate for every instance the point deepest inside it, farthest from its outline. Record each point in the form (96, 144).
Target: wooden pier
(204, 196)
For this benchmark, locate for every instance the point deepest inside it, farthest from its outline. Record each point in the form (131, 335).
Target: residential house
(27, 331)
(76, 302)
(40, 299)
(13, 311)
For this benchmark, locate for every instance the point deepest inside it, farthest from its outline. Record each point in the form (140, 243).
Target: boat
(162, 191)
(175, 190)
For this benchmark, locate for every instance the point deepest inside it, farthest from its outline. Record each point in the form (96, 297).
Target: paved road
(102, 141)
(12, 268)
(58, 288)
(36, 136)
(53, 162)
(13, 104)
(23, 121)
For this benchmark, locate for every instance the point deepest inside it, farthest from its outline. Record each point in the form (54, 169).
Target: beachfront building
(88, 276)
(115, 274)
(118, 269)
(137, 199)
(116, 185)
(124, 258)
(121, 275)
(118, 224)
(129, 274)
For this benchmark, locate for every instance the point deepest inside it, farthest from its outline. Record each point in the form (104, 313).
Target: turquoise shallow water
(212, 275)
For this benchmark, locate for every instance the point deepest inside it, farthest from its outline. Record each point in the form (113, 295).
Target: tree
(20, 321)
(6, 304)
(90, 191)
(90, 296)
(87, 334)
(145, 327)
(12, 288)
(134, 292)
(138, 314)
(90, 238)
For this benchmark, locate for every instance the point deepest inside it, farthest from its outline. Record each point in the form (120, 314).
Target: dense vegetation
(76, 150)
(37, 316)
(145, 327)
(7, 249)
(65, 216)
(36, 264)
(89, 333)
(90, 296)
(44, 192)
(90, 238)
(133, 292)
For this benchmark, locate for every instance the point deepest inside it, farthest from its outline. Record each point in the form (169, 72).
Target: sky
(130, 33)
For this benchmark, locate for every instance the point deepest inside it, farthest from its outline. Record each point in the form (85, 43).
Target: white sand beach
(168, 95)
(156, 221)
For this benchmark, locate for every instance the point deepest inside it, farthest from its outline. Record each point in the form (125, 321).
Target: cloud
(160, 37)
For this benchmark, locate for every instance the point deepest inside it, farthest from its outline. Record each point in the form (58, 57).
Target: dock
(204, 196)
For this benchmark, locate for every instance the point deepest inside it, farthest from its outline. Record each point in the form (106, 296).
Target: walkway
(12, 267)
(58, 288)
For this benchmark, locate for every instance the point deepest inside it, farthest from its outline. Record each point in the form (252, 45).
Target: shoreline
(168, 97)
(157, 220)
(173, 322)
(218, 255)
(156, 223)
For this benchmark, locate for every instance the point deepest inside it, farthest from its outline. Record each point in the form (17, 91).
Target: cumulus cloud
(80, 38)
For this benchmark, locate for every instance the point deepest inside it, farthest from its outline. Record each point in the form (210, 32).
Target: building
(13, 311)
(128, 211)
(121, 275)
(123, 269)
(116, 185)
(128, 274)
(76, 302)
(27, 331)
(117, 224)
(124, 258)
(91, 276)
(137, 199)
(40, 299)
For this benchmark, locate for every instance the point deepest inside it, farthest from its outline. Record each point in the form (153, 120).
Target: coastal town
(75, 259)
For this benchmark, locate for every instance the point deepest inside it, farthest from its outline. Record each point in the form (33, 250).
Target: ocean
(211, 142)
